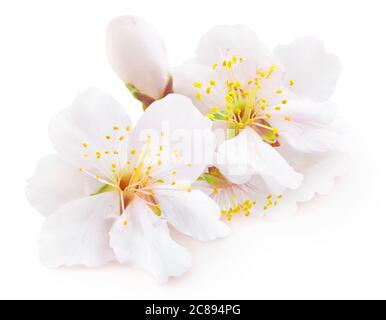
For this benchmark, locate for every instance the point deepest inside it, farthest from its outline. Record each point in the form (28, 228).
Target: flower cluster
(237, 130)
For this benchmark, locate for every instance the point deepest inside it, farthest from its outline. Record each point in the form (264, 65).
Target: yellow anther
(107, 152)
(279, 91)
(287, 119)
(108, 137)
(85, 145)
(85, 155)
(210, 116)
(173, 183)
(229, 64)
(189, 165)
(128, 163)
(284, 102)
(214, 109)
(159, 162)
(212, 82)
(113, 165)
(275, 130)
(98, 155)
(121, 138)
(214, 66)
(277, 108)
(125, 223)
(197, 85)
(229, 98)
(128, 128)
(132, 152)
(291, 83)
(116, 152)
(273, 68)
(280, 196)
(115, 128)
(161, 148)
(198, 96)
(234, 59)
(208, 90)
(268, 116)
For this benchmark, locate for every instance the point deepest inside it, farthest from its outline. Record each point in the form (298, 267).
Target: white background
(334, 248)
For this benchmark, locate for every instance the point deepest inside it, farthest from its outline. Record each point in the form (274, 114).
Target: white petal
(248, 151)
(193, 71)
(192, 213)
(87, 122)
(319, 171)
(182, 132)
(78, 233)
(228, 40)
(314, 71)
(139, 238)
(138, 55)
(311, 127)
(56, 183)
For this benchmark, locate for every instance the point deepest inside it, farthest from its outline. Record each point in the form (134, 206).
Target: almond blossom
(263, 102)
(138, 56)
(110, 190)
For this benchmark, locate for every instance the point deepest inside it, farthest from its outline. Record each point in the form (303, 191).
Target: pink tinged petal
(320, 172)
(225, 40)
(55, 183)
(138, 56)
(192, 213)
(182, 132)
(314, 71)
(85, 128)
(250, 152)
(78, 233)
(139, 238)
(312, 127)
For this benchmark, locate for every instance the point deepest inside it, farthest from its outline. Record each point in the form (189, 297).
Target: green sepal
(105, 188)
(211, 179)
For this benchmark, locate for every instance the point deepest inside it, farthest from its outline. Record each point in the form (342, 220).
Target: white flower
(262, 101)
(138, 56)
(110, 190)
(250, 197)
